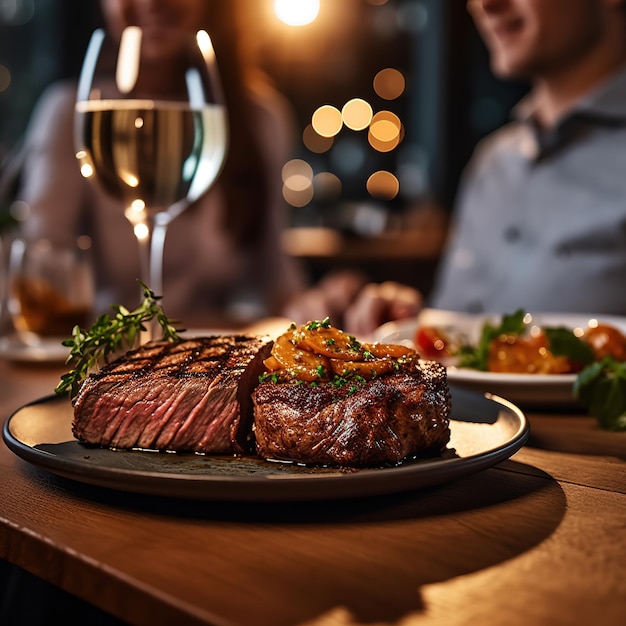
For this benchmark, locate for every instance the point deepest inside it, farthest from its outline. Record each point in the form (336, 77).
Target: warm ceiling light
(296, 13)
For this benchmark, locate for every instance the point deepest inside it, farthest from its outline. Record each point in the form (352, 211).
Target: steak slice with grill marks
(386, 420)
(188, 396)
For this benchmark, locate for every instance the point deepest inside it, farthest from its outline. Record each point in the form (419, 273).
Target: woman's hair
(244, 178)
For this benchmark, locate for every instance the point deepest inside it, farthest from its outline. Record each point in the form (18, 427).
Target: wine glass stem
(151, 247)
(155, 269)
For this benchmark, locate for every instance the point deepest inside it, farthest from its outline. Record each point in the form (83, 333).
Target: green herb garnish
(321, 371)
(272, 376)
(110, 334)
(563, 342)
(601, 389)
(475, 357)
(315, 324)
(354, 344)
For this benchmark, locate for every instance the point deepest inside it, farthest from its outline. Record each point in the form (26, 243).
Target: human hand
(329, 298)
(378, 303)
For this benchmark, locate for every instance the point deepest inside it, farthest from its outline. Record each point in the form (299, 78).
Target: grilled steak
(193, 395)
(381, 421)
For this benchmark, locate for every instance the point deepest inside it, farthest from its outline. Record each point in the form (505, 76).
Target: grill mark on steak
(385, 421)
(180, 396)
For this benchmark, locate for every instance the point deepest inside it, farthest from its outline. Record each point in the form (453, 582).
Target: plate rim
(279, 488)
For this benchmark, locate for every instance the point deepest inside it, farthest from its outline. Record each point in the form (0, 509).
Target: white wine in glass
(151, 128)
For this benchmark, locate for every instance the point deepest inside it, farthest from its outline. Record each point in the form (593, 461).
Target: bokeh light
(327, 186)
(14, 13)
(385, 126)
(389, 84)
(298, 198)
(136, 215)
(383, 185)
(296, 167)
(356, 114)
(86, 170)
(385, 132)
(297, 177)
(327, 120)
(315, 142)
(141, 231)
(84, 242)
(86, 167)
(296, 12)
(19, 210)
(5, 78)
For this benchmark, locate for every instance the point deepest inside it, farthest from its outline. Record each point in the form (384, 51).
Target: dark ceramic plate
(485, 430)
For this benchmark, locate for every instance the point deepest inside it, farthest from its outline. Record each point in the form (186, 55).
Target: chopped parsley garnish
(314, 325)
(354, 344)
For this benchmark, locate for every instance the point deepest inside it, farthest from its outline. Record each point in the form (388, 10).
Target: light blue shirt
(541, 219)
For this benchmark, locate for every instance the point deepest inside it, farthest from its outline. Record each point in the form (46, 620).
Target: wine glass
(151, 128)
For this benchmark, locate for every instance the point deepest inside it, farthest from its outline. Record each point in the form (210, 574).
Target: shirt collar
(608, 102)
(604, 105)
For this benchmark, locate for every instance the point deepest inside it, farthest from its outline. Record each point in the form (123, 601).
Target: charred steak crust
(385, 421)
(188, 396)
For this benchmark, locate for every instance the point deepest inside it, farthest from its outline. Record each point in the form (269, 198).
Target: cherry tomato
(606, 340)
(432, 343)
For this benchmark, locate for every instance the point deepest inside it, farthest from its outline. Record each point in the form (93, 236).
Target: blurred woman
(223, 254)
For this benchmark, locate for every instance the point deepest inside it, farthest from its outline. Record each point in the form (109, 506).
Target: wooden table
(539, 539)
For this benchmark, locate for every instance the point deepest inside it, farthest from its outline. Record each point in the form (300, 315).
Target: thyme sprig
(109, 335)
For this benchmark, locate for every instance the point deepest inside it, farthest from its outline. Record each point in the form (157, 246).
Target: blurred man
(540, 221)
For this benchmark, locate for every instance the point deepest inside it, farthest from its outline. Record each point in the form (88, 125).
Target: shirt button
(512, 234)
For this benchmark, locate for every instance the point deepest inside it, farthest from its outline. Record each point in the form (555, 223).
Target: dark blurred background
(450, 100)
